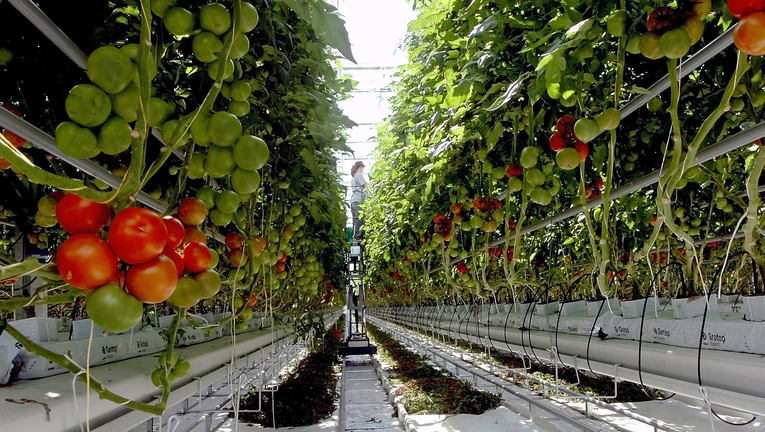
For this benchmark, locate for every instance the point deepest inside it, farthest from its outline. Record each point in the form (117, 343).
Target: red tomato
(234, 240)
(86, 261)
(194, 234)
(253, 300)
(177, 259)
(4, 164)
(153, 281)
(78, 215)
(742, 8)
(192, 211)
(583, 150)
(175, 231)
(15, 140)
(283, 258)
(557, 142)
(749, 34)
(118, 279)
(137, 235)
(196, 257)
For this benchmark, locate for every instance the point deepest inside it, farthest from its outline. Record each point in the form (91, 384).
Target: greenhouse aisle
(366, 403)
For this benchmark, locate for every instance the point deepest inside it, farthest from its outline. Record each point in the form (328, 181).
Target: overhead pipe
(46, 142)
(47, 27)
(730, 378)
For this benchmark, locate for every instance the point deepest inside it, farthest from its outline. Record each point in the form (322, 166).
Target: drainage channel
(540, 408)
(217, 404)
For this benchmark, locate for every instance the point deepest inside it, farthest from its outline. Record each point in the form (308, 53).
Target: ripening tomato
(153, 281)
(137, 235)
(177, 259)
(192, 211)
(742, 8)
(196, 257)
(280, 267)
(749, 34)
(237, 258)
(194, 234)
(234, 240)
(258, 244)
(86, 261)
(79, 215)
(175, 231)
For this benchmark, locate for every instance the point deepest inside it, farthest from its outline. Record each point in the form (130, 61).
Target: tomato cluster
(140, 254)
(443, 225)
(673, 30)
(748, 35)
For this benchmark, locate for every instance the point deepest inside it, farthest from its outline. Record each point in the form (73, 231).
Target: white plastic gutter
(733, 380)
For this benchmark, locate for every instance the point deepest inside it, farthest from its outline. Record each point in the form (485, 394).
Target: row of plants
(586, 384)
(225, 114)
(507, 114)
(307, 396)
(426, 389)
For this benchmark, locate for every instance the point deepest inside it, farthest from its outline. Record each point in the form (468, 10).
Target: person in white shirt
(358, 188)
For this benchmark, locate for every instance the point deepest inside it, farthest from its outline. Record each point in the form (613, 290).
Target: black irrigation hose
(566, 297)
(701, 339)
(640, 335)
(530, 310)
(592, 328)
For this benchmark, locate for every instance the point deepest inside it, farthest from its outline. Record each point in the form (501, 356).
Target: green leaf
(579, 29)
(330, 29)
(496, 133)
(301, 8)
(512, 91)
(488, 24)
(599, 157)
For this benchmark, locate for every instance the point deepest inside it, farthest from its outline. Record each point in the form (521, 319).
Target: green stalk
(80, 373)
(38, 175)
(751, 234)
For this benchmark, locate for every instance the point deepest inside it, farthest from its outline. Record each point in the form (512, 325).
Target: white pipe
(50, 30)
(734, 380)
(46, 142)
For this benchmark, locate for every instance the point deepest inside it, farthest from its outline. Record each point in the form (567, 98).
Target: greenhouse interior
(382, 215)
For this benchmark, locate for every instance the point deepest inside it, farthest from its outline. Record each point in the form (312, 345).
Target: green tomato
(617, 23)
(187, 293)
(113, 309)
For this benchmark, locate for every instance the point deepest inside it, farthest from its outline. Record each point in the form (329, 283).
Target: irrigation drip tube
(728, 374)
